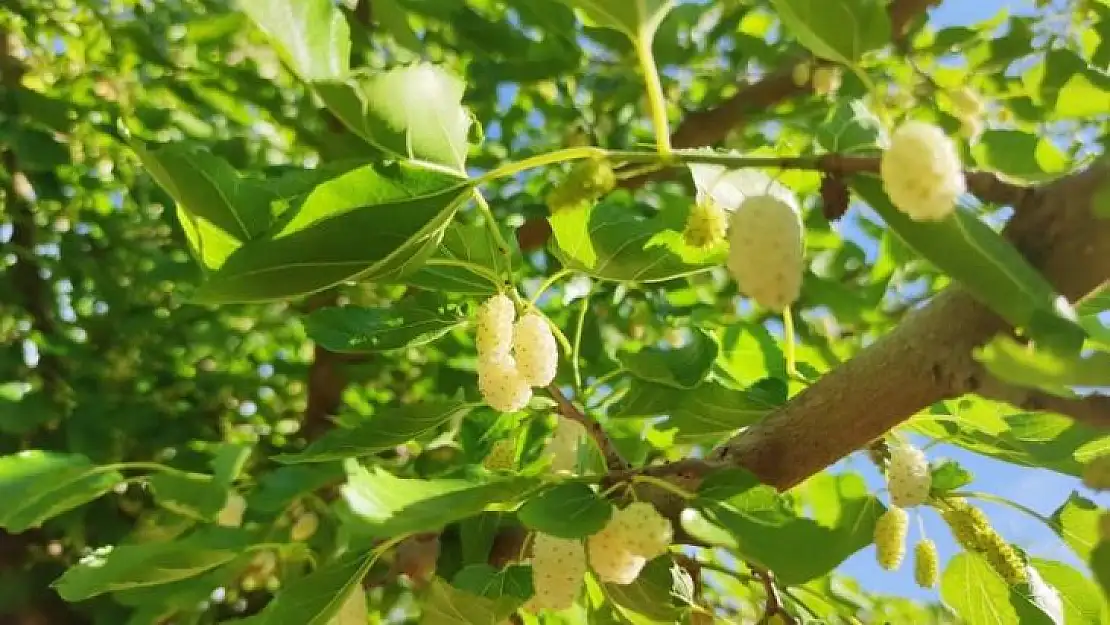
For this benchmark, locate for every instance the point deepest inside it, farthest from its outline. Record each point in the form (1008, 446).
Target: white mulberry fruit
(558, 569)
(649, 533)
(926, 564)
(707, 224)
(305, 527)
(563, 446)
(632, 536)
(611, 560)
(908, 477)
(921, 172)
(501, 385)
(890, 538)
(537, 354)
(495, 326)
(767, 250)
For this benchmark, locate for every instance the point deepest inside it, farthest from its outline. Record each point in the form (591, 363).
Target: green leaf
(136, 566)
(947, 476)
(412, 112)
(444, 604)
(1083, 602)
(372, 242)
(278, 488)
(1040, 439)
(851, 127)
(1019, 155)
(706, 411)
(190, 494)
(394, 20)
(1016, 364)
(1076, 521)
(356, 329)
(682, 368)
(633, 18)
(1100, 564)
(485, 581)
(313, 35)
(477, 535)
(651, 594)
(978, 595)
(391, 426)
(39, 485)
(218, 209)
(735, 511)
(394, 505)
(317, 597)
(608, 241)
(228, 460)
(987, 265)
(459, 263)
(840, 31)
(569, 510)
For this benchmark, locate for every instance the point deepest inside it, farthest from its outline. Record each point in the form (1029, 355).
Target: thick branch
(1092, 410)
(613, 458)
(927, 358)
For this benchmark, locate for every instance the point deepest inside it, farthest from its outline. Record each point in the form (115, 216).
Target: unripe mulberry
(908, 477)
(535, 349)
(826, 80)
(926, 564)
(707, 224)
(558, 569)
(921, 172)
(587, 181)
(501, 385)
(801, 74)
(495, 326)
(305, 527)
(890, 537)
(502, 456)
(563, 446)
(766, 250)
(972, 530)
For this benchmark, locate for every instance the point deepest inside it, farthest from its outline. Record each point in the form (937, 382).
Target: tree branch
(613, 458)
(1092, 410)
(773, 606)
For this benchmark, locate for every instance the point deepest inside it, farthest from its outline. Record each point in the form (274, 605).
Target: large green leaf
(312, 34)
(467, 261)
(734, 510)
(634, 18)
(978, 595)
(987, 265)
(443, 604)
(372, 242)
(608, 241)
(190, 494)
(412, 112)
(1076, 521)
(706, 411)
(1016, 364)
(840, 31)
(651, 595)
(393, 505)
(1043, 440)
(136, 566)
(357, 329)
(38, 485)
(317, 597)
(682, 368)
(1019, 155)
(570, 510)
(1082, 600)
(391, 426)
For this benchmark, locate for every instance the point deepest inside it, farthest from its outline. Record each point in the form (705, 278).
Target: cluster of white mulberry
(909, 482)
(633, 536)
(513, 355)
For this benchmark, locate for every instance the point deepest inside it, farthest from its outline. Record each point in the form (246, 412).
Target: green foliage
(246, 243)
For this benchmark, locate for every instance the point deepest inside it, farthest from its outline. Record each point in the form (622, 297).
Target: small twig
(613, 458)
(774, 605)
(1092, 410)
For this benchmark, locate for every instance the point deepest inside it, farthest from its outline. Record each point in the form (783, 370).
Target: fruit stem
(657, 102)
(788, 338)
